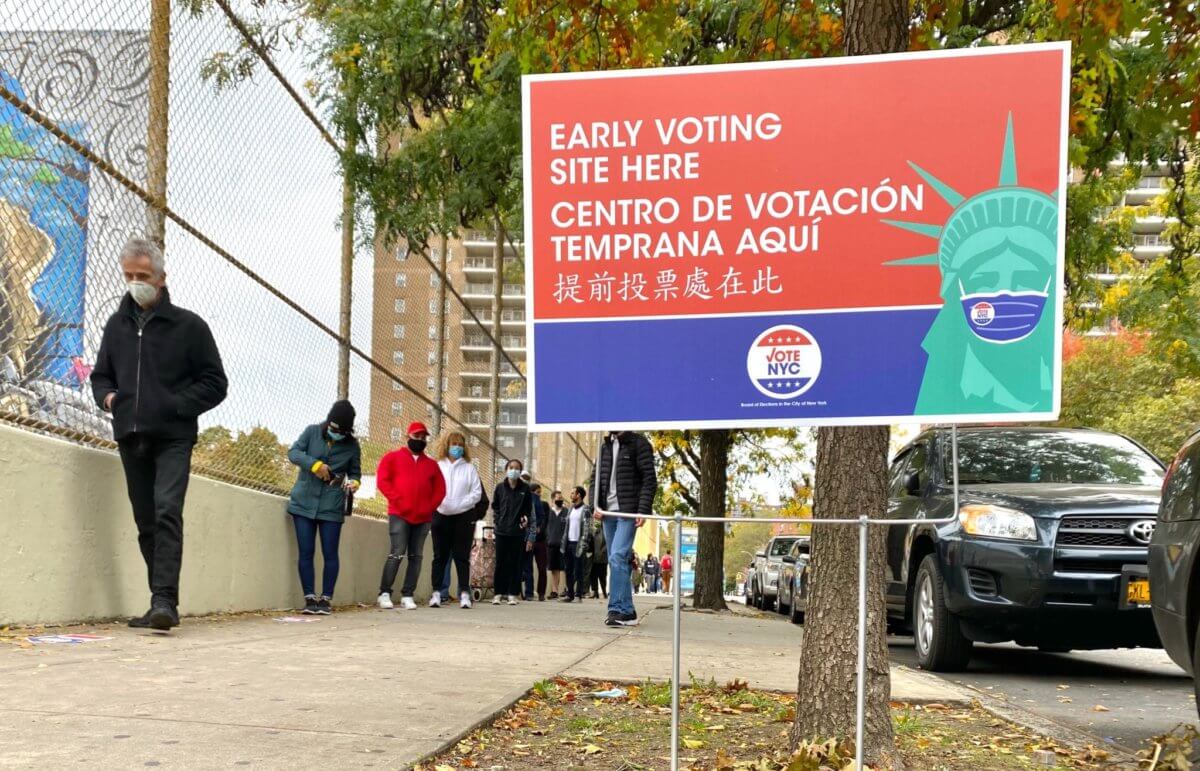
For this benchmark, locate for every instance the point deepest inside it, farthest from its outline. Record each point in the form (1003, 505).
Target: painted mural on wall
(60, 220)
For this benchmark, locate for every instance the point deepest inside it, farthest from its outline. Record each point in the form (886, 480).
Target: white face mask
(142, 293)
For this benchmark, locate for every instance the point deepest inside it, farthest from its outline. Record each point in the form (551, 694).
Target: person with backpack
(330, 462)
(512, 513)
(453, 523)
(414, 487)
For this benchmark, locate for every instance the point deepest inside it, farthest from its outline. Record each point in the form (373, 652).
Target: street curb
(1043, 726)
(507, 702)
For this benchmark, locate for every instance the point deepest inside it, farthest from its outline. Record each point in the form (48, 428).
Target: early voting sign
(839, 241)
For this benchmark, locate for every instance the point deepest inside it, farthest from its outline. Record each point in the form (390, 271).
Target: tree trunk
(851, 482)
(710, 549)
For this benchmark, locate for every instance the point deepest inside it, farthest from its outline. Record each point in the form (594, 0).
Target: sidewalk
(358, 689)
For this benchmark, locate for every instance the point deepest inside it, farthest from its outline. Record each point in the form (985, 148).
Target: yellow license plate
(1138, 591)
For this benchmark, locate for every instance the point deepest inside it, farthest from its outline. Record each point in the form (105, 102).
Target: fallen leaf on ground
(592, 749)
(692, 744)
(1100, 708)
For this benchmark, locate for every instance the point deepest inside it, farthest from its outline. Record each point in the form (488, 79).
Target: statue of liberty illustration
(991, 346)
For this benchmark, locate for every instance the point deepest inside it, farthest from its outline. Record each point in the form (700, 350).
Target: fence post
(497, 304)
(675, 652)
(347, 278)
(439, 391)
(156, 138)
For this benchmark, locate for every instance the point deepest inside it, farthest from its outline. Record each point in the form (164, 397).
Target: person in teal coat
(330, 461)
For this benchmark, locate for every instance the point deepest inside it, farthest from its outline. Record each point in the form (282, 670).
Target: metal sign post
(863, 523)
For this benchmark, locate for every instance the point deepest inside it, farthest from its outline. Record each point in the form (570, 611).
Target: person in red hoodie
(414, 487)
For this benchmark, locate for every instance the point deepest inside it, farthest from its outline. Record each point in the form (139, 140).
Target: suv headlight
(997, 522)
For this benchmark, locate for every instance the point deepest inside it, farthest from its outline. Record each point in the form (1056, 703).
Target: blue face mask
(456, 452)
(514, 474)
(1003, 317)
(335, 436)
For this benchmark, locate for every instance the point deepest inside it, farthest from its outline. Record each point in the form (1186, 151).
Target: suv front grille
(1098, 531)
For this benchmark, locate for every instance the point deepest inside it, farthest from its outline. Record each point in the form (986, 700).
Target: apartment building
(405, 336)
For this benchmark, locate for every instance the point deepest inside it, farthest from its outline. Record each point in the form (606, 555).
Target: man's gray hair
(142, 247)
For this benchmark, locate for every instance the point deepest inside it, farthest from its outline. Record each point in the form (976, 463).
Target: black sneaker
(162, 616)
(553, 595)
(311, 605)
(567, 599)
(324, 607)
(627, 619)
(612, 620)
(140, 622)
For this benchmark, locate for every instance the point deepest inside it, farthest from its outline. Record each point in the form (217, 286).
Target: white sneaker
(385, 601)
(464, 600)
(436, 600)
(512, 600)
(499, 598)
(407, 603)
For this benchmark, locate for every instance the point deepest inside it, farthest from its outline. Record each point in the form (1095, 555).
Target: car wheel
(768, 603)
(796, 615)
(1196, 669)
(756, 598)
(941, 645)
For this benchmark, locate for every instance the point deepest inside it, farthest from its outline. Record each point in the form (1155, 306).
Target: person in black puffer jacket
(626, 483)
(512, 510)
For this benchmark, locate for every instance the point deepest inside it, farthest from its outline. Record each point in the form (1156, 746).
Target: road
(1145, 692)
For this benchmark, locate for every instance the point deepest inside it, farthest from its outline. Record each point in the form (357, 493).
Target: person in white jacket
(453, 523)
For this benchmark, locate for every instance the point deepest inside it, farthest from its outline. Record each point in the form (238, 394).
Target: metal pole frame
(863, 523)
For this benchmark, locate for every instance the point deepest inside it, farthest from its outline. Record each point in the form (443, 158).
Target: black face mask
(558, 503)
(416, 445)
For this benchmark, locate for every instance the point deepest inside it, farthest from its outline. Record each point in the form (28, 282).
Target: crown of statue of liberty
(999, 208)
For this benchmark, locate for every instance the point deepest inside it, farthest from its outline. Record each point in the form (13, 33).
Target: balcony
(508, 317)
(483, 393)
(479, 265)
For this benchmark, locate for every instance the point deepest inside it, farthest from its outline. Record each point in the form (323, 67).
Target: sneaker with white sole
(436, 600)
(498, 599)
(464, 600)
(512, 600)
(407, 603)
(385, 601)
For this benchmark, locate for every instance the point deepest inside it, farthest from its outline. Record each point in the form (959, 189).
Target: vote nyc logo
(784, 361)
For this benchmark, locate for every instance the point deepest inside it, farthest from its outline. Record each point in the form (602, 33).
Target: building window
(435, 254)
(398, 331)
(397, 408)
(507, 441)
(429, 383)
(397, 385)
(401, 252)
(431, 357)
(400, 305)
(433, 306)
(445, 384)
(434, 281)
(398, 357)
(432, 332)
(429, 411)
(402, 280)
(396, 435)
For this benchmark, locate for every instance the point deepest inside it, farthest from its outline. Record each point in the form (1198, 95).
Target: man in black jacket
(157, 371)
(627, 485)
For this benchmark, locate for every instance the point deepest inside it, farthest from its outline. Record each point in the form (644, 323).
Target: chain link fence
(113, 124)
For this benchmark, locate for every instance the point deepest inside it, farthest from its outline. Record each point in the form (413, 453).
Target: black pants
(408, 539)
(575, 565)
(156, 474)
(540, 556)
(452, 538)
(509, 549)
(599, 578)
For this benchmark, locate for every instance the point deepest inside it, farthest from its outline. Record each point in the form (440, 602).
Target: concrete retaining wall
(70, 545)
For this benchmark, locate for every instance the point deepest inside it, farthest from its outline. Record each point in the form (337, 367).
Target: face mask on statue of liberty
(991, 346)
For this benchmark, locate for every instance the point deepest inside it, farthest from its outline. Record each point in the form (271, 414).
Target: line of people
(158, 369)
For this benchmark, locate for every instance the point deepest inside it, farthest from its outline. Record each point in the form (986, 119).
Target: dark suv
(1048, 547)
(1174, 569)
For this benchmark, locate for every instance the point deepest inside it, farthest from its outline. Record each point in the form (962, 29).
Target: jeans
(452, 538)
(619, 534)
(408, 539)
(156, 476)
(508, 564)
(307, 530)
(576, 588)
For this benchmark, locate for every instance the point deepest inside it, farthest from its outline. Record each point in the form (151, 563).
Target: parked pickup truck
(764, 586)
